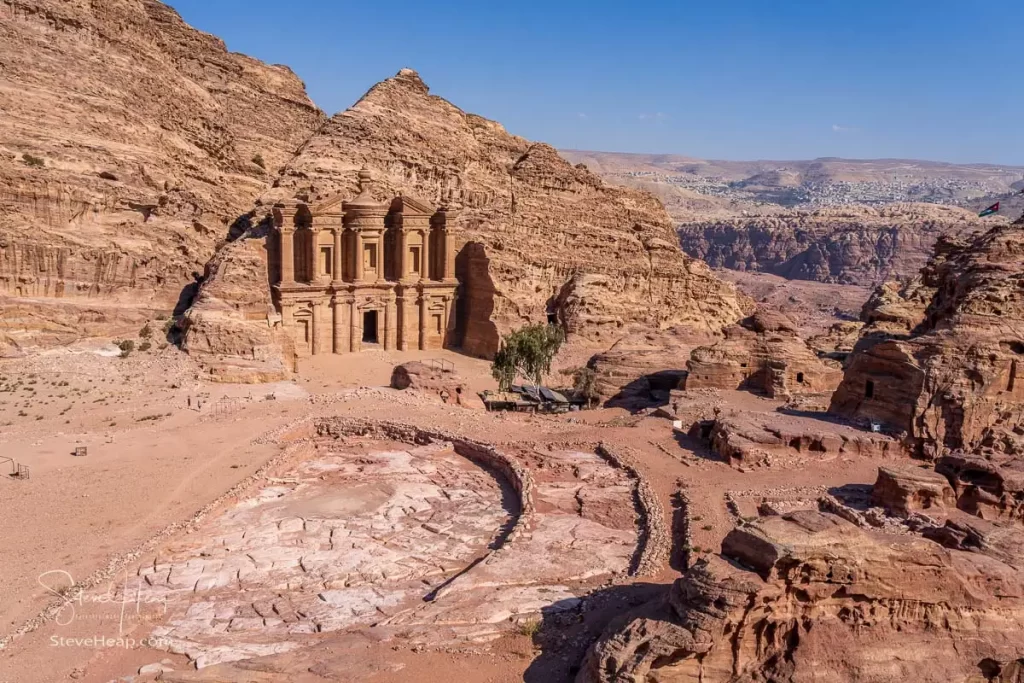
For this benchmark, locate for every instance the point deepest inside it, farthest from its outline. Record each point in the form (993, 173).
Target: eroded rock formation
(809, 596)
(540, 239)
(764, 353)
(644, 367)
(850, 245)
(953, 383)
(130, 145)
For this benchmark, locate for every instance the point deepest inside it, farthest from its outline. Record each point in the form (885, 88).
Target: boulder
(989, 487)
(905, 490)
(430, 379)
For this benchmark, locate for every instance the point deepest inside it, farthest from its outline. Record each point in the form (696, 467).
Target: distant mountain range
(692, 187)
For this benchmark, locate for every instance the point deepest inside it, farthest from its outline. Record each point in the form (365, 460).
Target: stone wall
(654, 538)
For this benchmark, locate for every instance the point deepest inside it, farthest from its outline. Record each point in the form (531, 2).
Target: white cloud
(582, 115)
(656, 116)
(836, 128)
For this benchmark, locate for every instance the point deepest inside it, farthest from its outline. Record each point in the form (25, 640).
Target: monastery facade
(353, 274)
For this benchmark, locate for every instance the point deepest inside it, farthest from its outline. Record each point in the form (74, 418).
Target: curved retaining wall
(653, 546)
(479, 452)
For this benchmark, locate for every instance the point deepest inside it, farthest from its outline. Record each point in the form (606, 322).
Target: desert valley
(395, 394)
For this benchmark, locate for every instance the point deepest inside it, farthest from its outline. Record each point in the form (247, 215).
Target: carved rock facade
(535, 239)
(954, 383)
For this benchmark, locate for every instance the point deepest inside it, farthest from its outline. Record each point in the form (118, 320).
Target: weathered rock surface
(644, 367)
(988, 487)
(431, 379)
(129, 144)
(538, 236)
(904, 490)
(764, 353)
(745, 440)
(809, 596)
(953, 383)
(850, 245)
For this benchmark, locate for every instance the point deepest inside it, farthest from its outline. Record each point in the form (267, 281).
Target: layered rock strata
(850, 245)
(129, 144)
(953, 383)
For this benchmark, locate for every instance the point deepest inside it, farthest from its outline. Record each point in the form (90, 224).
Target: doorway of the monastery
(370, 327)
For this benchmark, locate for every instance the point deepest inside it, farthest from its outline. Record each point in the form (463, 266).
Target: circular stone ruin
(423, 535)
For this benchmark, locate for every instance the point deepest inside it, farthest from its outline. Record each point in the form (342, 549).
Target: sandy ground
(162, 444)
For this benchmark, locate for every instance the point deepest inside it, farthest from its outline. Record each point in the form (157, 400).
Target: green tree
(526, 352)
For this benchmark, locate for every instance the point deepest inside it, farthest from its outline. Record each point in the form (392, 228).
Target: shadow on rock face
(568, 628)
(647, 391)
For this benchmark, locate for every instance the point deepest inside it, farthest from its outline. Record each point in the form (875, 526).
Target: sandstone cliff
(809, 596)
(953, 383)
(850, 245)
(538, 237)
(129, 144)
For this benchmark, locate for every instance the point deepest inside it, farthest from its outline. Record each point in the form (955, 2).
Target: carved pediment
(330, 206)
(411, 206)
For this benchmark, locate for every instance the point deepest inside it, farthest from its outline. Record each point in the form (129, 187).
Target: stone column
(448, 238)
(359, 256)
(390, 324)
(354, 327)
(340, 333)
(378, 242)
(336, 275)
(447, 317)
(403, 255)
(316, 326)
(425, 256)
(402, 306)
(287, 255)
(423, 321)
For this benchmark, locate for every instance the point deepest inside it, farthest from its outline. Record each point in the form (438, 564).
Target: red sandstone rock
(954, 384)
(989, 487)
(539, 236)
(808, 596)
(853, 244)
(763, 353)
(432, 379)
(905, 490)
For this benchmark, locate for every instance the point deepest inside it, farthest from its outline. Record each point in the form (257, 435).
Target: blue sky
(739, 79)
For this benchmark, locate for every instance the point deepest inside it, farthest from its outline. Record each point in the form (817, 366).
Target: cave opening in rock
(800, 378)
(869, 389)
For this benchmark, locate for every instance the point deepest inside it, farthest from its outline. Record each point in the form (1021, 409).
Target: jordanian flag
(990, 210)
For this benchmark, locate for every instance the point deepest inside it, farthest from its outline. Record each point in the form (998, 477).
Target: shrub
(146, 332)
(528, 628)
(258, 160)
(145, 346)
(32, 161)
(126, 346)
